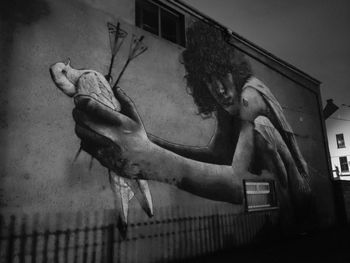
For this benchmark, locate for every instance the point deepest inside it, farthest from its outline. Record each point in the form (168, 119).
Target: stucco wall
(37, 131)
(37, 137)
(37, 142)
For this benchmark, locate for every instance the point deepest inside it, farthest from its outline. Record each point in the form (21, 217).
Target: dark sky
(312, 35)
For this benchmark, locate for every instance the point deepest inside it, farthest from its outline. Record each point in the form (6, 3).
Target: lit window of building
(340, 140)
(344, 166)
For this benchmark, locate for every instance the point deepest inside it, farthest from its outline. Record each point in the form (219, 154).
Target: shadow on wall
(23, 12)
(13, 14)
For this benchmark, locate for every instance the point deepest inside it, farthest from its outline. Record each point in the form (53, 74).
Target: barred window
(161, 20)
(259, 195)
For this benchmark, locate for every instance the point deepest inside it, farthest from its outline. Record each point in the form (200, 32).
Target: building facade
(338, 132)
(267, 172)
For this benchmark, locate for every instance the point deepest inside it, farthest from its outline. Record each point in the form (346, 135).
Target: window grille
(161, 20)
(259, 195)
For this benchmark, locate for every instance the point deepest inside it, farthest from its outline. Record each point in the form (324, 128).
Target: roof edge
(248, 44)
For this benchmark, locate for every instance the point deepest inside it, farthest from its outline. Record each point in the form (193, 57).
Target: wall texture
(37, 131)
(37, 137)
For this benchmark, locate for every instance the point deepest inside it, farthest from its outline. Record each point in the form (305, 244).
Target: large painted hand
(119, 141)
(114, 138)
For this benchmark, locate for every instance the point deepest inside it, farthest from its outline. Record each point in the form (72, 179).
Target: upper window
(161, 20)
(259, 195)
(344, 167)
(340, 140)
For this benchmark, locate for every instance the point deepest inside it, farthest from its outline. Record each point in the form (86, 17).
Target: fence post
(66, 244)
(78, 223)
(94, 237)
(23, 239)
(2, 237)
(35, 237)
(10, 246)
(86, 235)
(110, 242)
(46, 243)
(57, 234)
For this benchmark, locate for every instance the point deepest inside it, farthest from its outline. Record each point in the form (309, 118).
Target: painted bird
(89, 82)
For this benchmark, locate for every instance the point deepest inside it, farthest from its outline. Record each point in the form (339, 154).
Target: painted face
(225, 93)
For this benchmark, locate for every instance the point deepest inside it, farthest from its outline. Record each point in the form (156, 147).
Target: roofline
(250, 45)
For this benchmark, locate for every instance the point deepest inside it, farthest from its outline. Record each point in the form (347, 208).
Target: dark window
(344, 167)
(340, 140)
(259, 195)
(149, 17)
(161, 20)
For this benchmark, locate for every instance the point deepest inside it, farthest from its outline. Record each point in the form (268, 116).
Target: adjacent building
(338, 132)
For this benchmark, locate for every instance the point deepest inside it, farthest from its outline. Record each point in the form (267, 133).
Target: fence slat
(187, 229)
(110, 243)
(11, 240)
(180, 232)
(169, 243)
(85, 234)
(2, 239)
(210, 230)
(34, 244)
(159, 253)
(176, 233)
(66, 245)
(57, 235)
(194, 227)
(94, 238)
(45, 248)
(174, 217)
(214, 229)
(78, 223)
(23, 239)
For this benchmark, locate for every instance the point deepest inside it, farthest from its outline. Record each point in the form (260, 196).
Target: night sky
(312, 35)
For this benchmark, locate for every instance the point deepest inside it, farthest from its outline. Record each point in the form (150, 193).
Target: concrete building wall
(37, 137)
(37, 131)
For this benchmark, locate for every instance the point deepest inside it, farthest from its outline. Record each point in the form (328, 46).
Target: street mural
(252, 136)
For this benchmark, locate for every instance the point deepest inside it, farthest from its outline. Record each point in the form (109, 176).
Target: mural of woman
(252, 134)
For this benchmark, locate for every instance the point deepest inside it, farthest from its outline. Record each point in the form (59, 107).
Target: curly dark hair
(209, 55)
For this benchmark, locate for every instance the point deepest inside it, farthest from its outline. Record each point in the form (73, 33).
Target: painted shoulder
(259, 86)
(252, 103)
(274, 107)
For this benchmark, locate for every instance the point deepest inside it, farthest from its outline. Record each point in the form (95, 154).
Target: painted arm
(273, 144)
(203, 154)
(119, 142)
(219, 149)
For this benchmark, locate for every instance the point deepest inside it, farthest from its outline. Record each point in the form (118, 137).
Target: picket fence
(173, 235)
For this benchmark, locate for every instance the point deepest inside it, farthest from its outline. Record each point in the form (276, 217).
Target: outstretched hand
(109, 136)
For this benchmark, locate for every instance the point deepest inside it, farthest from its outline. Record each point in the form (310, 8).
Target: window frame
(272, 194)
(161, 10)
(344, 163)
(340, 145)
